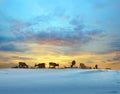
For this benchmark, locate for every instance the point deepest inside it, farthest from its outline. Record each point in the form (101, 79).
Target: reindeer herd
(53, 65)
(39, 65)
(42, 65)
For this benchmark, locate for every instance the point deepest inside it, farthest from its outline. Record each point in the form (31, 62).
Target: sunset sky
(35, 31)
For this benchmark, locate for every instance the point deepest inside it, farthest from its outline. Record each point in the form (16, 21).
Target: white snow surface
(59, 81)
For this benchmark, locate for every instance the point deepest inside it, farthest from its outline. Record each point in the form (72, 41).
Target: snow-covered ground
(59, 81)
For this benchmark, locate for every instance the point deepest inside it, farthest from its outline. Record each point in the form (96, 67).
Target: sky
(35, 31)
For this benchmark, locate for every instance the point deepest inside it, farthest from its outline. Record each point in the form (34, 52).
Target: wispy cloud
(12, 48)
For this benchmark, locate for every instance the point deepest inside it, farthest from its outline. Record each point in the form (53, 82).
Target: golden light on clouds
(46, 54)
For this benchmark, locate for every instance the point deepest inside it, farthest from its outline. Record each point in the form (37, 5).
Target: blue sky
(72, 26)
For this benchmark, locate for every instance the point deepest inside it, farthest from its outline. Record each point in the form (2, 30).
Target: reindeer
(83, 66)
(53, 65)
(40, 65)
(23, 65)
(96, 66)
(73, 63)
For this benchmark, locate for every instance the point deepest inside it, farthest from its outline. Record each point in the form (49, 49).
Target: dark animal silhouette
(96, 66)
(73, 63)
(40, 65)
(23, 65)
(53, 65)
(83, 66)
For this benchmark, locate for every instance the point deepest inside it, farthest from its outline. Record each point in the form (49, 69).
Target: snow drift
(59, 81)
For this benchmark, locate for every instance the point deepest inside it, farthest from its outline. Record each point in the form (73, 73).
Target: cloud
(41, 30)
(100, 4)
(115, 44)
(115, 59)
(12, 47)
(4, 58)
(95, 32)
(104, 3)
(21, 58)
(7, 65)
(74, 33)
(73, 36)
(64, 36)
(4, 39)
(5, 61)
